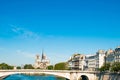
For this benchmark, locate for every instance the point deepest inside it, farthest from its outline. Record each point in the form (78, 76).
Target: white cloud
(26, 34)
(16, 29)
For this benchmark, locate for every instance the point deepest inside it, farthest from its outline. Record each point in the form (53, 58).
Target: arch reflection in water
(32, 77)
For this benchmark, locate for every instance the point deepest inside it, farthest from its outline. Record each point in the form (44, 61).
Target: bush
(61, 66)
(115, 66)
(5, 66)
(105, 67)
(28, 66)
(50, 67)
(18, 67)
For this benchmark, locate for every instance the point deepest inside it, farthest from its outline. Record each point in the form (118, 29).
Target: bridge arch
(83, 77)
(86, 76)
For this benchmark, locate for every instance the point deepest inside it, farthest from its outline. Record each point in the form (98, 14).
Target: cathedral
(41, 63)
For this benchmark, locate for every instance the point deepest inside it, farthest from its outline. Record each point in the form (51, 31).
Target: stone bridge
(68, 74)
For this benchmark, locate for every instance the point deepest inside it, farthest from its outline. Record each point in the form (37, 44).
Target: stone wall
(108, 76)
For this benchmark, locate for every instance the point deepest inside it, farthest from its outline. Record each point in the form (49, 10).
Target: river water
(32, 77)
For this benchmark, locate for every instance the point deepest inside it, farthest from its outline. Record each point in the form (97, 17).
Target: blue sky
(60, 27)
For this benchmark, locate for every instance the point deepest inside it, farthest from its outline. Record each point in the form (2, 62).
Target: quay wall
(108, 76)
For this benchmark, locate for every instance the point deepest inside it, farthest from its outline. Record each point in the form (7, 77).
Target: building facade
(41, 63)
(77, 62)
(94, 62)
(91, 62)
(113, 55)
(109, 58)
(117, 54)
(100, 58)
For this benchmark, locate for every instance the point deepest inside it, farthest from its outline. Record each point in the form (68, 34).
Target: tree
(61, 66)
(18, 67)
(50, 67)
(5, 66)
(28, 66)
(102, 68)
(115, 66)
(105, 67)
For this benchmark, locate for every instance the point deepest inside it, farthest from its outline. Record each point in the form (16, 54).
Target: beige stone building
(91, 62)
(41, 63)
(77, 62)
(100, 58)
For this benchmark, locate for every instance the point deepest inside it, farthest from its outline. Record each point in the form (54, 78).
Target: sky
(59, 27)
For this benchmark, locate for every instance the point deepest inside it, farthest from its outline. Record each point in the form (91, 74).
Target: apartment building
(77, 62)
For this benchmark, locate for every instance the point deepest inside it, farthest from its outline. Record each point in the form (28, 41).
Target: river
(32, 77)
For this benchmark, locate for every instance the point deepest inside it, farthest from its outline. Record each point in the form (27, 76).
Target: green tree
(18, 67)
(61, 66)
(28, 66)
(5, 66)
(105, 67)
(50, 67)
(102, 68)
(115, 66)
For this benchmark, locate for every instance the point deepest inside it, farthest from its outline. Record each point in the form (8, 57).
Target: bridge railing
(38, 70)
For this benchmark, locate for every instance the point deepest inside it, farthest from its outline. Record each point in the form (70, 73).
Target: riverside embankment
(108, 76)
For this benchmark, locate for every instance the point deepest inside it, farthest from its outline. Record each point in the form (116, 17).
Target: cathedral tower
(41, 63)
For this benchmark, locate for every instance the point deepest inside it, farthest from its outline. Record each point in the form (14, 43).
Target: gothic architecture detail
(41, 63)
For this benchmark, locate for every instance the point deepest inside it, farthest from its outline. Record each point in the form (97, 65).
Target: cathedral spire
(42, 54)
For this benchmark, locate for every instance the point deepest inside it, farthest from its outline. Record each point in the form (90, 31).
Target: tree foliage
(115, 66)
(18, 67)
(50, 67)
(61, 66)
(105, 67)
(28, 66)
(5, 66)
